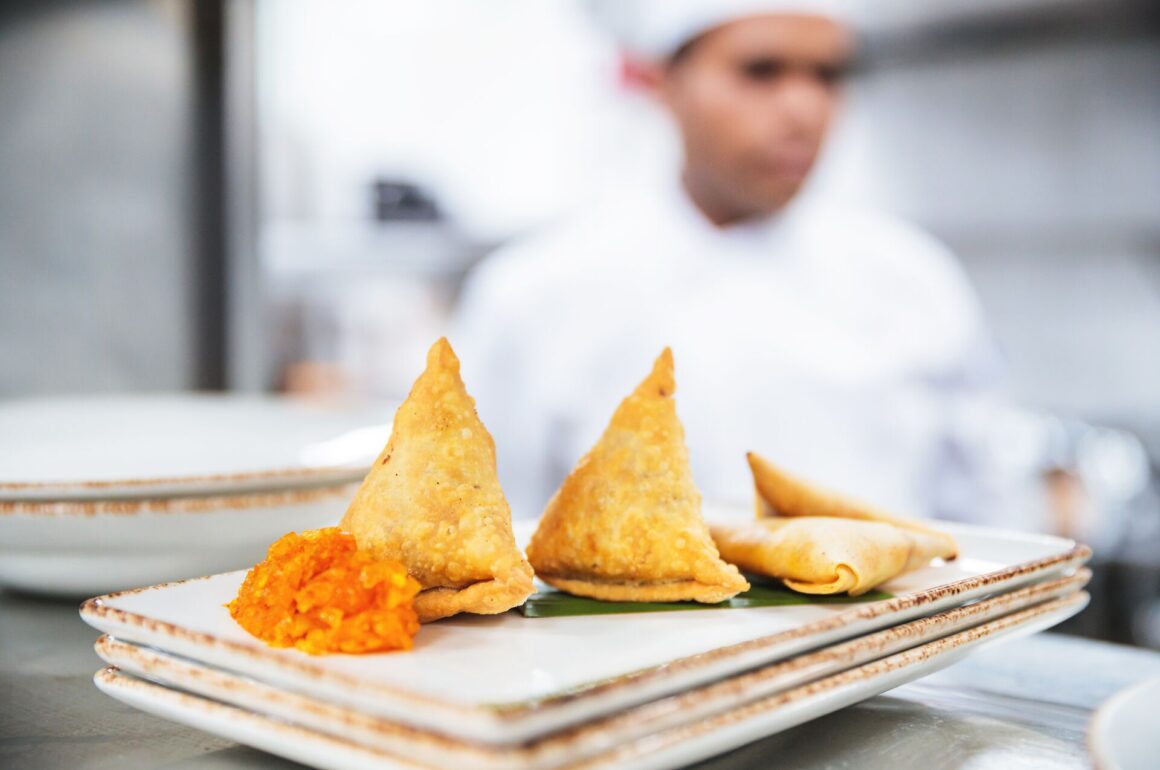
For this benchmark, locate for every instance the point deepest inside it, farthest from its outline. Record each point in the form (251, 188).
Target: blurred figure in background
(841, 344)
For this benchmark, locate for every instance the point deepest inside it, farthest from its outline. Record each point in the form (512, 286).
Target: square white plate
(670, 747)
(507, 679)
(592, 738)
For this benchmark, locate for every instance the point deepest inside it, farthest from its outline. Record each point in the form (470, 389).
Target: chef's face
(753, 99)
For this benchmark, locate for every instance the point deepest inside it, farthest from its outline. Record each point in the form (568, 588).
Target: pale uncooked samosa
(823, 555)
(780, 494)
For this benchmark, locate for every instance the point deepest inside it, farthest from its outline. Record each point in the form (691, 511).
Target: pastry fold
(780, 494)
(433, 501)
(626, 524)
(817, 542)
(823, 555)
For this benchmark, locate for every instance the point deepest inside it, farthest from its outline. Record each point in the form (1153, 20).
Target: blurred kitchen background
(286, 194)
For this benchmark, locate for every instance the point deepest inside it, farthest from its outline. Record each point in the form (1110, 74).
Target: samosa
(820, 543)
(823, 555)
(433, 501)
(626, 524)
(780, 494)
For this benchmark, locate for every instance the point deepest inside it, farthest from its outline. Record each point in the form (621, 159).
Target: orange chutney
(317, 592)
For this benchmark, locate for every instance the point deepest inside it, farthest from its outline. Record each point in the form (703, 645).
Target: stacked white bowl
(101, 494)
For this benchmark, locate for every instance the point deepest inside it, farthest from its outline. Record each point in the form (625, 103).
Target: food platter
(415, 633)
(589, 739)
(597, 746)
(544, 674)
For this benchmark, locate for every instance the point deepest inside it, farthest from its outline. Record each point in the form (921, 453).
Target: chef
(841, 344)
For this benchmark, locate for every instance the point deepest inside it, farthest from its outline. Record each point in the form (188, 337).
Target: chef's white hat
(658, 28)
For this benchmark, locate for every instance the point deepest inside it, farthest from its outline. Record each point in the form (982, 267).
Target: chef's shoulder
(894, 254)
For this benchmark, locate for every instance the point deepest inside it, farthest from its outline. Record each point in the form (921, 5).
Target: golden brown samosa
(433, 501)
(779, 494)
(626, 524)
(823, 555)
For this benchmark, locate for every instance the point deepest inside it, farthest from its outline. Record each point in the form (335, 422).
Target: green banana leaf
(550, 603)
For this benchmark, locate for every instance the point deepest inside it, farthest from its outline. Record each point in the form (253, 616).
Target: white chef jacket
(838, 344)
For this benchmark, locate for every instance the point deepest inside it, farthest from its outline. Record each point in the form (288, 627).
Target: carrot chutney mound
(317, 592)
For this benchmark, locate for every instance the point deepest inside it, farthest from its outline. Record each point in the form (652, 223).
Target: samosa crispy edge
(576, 555)
(437, 427)
(780, 494)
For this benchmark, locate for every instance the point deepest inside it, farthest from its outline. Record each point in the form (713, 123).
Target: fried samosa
(433, 501)
(823, 555)
(626, 524)
(779, 494)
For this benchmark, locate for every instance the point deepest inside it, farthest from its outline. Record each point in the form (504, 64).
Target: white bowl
(1125, 732)
(85, 548)
(153, 446)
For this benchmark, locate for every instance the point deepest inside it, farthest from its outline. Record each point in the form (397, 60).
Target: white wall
(1041, 167)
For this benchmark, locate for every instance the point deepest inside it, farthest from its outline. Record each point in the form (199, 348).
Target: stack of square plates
(653, 690)
(101, 493)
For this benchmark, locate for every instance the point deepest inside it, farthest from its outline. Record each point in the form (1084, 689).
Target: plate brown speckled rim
(254, 657)
(172, 486)
(590, 737)
(180, 505)
(672, 746)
